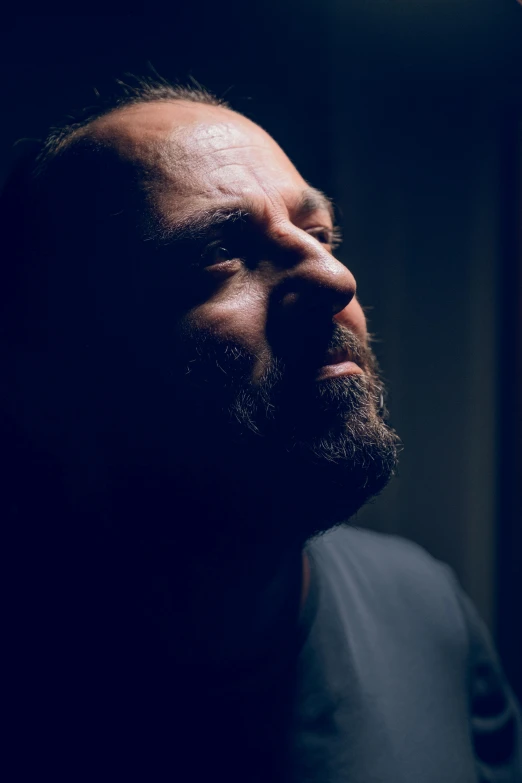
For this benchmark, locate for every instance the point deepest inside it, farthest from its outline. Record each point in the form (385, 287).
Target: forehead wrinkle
(159, 151)
(190, 146)
(172, 161)
(182, 147)
(311, 200)
(166, 153)
(273, 210)
(225, 135)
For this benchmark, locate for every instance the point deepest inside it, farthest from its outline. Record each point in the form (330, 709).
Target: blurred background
(409, 114)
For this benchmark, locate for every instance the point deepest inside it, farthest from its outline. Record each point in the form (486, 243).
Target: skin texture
(170, 320)
(200, 157)
(206, 157)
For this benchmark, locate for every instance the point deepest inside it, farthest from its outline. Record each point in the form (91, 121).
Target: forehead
(193, 155)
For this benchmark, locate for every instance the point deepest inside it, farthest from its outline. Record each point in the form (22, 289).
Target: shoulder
(379, 556)
(412, 607)
(394, 579)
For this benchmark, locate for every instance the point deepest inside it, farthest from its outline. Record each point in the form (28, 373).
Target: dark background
(409, 113)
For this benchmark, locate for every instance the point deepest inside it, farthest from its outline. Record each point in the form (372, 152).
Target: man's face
(260, 341)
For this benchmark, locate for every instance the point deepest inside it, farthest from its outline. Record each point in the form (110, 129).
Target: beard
(196, 431)
(314, 450)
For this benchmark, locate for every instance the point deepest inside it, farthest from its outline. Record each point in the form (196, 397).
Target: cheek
(238, 318)
(353, 318)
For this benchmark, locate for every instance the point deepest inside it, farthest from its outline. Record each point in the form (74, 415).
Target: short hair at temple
(140, 89)
(23, 195)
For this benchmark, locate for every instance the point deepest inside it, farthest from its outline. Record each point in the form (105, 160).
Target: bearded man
(191, 413)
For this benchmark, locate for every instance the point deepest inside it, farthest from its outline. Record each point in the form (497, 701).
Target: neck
(235, 582)
(231, 572)
(230, 612)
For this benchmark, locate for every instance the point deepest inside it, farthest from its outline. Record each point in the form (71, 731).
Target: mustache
(234, 362)
(313, 352)
(358, 350)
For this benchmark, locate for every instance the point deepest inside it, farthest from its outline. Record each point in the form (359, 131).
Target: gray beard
(322, 448)
(192, 430)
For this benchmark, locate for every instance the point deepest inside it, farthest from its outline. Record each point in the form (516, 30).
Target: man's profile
(192, 413)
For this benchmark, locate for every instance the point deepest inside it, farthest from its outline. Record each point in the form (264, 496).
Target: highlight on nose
(319, 284)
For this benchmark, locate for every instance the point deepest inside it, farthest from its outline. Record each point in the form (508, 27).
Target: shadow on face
(189, 299)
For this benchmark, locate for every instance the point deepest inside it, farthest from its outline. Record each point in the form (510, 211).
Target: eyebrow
(202, 223)
(314, 200)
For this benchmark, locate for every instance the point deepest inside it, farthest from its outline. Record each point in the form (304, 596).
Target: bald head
(193, 283)
(135, 127)
(182, 150)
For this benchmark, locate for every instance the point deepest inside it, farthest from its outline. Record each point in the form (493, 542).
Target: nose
(313, 293)
(317, 283)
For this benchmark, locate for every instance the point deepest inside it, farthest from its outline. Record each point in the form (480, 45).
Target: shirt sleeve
(495, 715)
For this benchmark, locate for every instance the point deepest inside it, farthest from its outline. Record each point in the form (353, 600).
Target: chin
(334, 493)
(319, 451)
(323, 482)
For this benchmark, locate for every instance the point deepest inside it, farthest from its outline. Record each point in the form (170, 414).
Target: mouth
(339, 362)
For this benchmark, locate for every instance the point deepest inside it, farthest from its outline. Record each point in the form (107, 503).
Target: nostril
(315, 298)
(342, 296)
(318, 283)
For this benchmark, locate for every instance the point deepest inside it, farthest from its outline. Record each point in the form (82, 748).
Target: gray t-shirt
(397, 678)
(389, 677)
(392, 679)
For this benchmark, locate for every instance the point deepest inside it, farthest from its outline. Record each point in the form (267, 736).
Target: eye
(216, 253)
(330, 237)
